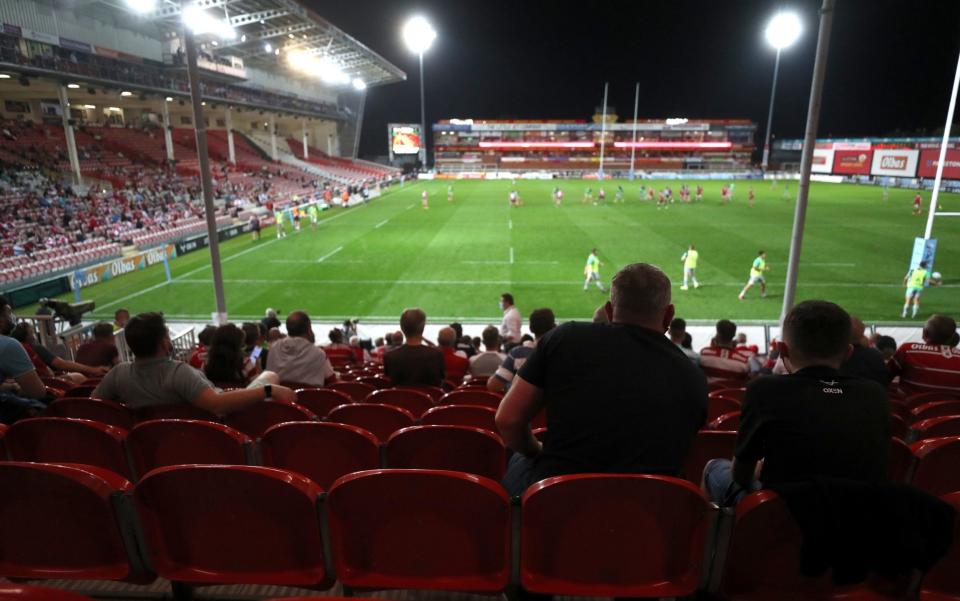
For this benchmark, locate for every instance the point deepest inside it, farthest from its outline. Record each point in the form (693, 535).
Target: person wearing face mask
(512, 322)
(153, 378)
(813, 422)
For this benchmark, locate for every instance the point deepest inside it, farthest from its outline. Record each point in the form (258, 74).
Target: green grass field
(455, 259)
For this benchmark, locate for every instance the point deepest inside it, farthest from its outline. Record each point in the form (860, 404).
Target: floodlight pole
(806, 160)
(773, 94)
(943, 154)
(206, 181)
(423, 119)
(633, 147)
(603, 129)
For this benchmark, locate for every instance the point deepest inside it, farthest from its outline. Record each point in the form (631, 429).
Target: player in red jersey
(699, 193)
(934, 364)
(750, 197)
(917, 206)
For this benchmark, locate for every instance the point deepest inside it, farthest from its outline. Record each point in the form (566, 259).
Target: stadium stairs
(262, 141)
(349, 168)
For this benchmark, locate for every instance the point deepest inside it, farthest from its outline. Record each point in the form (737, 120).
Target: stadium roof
(286, 25)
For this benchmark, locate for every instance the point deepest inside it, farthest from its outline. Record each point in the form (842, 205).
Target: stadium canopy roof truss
(286, 25)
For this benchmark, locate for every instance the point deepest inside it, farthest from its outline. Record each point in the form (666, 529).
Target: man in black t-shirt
(413, 364)
(814, 422)
(619, 396)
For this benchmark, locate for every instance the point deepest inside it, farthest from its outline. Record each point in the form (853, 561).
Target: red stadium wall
(929, 159)
(852, 162)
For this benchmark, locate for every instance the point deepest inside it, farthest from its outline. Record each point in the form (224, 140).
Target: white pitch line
(511, 255)
(486, 262)
(382, 223)
(410, 207)
(509, 224)
(329, 254)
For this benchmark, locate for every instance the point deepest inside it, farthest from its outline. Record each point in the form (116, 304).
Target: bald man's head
(447, 337)
(939, 329)
(641, 295)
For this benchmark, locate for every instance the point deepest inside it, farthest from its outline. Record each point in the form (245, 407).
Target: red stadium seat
(720, 405)
(378, 382)
(61, 521)
(455, 448)
(420, 529)
(355, 390)
(434, 392)
(900, 461)
(900, 407)
(936, 468)
(105, 412)
(164, 442)
(471, 397)
(321, 451)
(540, 433)
(898, 427)
(474, 416)
(83, 390)
(934, 409)
(727, 422)
(206, 524)
(3, 444)
(936, 427)
(612, 535)
(180, 411)
(68, 440)
(379, 420)
(724, 382)
(707, 445)
(255, 419)
(61, 384)
(320, 401)
(915, 400)
(942, 582)
(731, 393)
(25, 592)
(414, 402)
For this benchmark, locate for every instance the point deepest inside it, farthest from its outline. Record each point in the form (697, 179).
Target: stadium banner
(930, 158)
(81, 278)
(822, 160)
(852, 162)
(405, 138)
(898, 162)
(189, 245)
(75, 45)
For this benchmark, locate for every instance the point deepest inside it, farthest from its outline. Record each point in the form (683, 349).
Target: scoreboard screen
(405, 139)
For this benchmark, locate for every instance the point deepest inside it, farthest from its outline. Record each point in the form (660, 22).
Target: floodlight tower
(418, 35)
(782, 31)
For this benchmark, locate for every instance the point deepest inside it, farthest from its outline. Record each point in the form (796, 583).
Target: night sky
(890, 68)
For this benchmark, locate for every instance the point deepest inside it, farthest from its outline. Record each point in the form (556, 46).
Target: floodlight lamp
(201, 22)
(126, 93)
(359, 85)
(141, 6)
(4, 76)
(267, 47)
(783, 30)
(418, 34)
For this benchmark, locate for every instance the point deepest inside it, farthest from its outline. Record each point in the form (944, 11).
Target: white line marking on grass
(486, 262)
(410, 207)
(943, 214)
(511, 255)
(539, 262)
(382, 223)
(329, 254)
(509, 224)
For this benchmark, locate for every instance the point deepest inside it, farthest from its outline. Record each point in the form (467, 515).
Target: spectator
(337, 351)
(721, 360)
(512, 322)
(296, 359)
(19, 397)
(486, 363)
(934, 364)
(414, 364)
(46, 362)
(678, 335)
(865, 361)
(619, 396)
(101, 351)
(120, 319)
(229, 365)
(360, 354)
(199, 355)
(455, 362)
(253, 342)
(153, 378)
(380, 347)
(394, 341)
(270, 320)
(541, 322)
(742, 345)
(463, 342)
(814, 422)
(887, 347)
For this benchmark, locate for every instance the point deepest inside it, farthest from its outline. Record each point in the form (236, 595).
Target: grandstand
(571, 146)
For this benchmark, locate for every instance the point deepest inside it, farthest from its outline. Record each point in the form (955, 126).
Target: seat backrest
(898, 427)
(26, 592)
(413, 401)
(943, 580)
(164, 442)
(920, 398)
(720, 405)
(320, 401)
(237, 524)
(254, 420)
(455, 448)
(936, 468)
(474, 416)
(900, 460)
(3, 444)
(321, 451)
(707, 445)
(420, 529)
(434, 392)
(731, 393)
(106, 412)
(83, 390)
(934, 409)
(379, 420)
(763, 557)
(728, 422)
(59, 521)
(611, 535)
(936, 427)
(179, 411)
(471, 397)
(378, 382)
(68, 440)
(355, 390)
